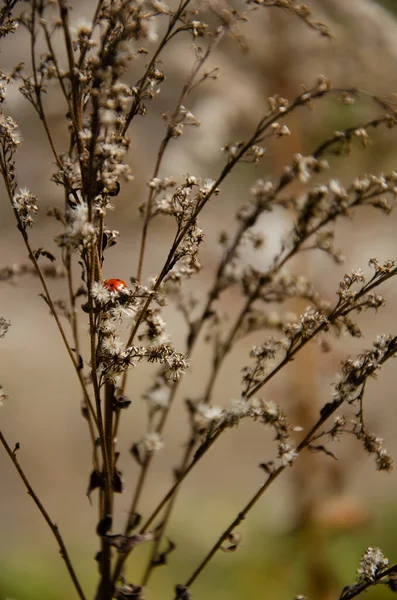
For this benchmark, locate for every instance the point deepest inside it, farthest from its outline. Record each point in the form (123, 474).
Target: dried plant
(101, 108)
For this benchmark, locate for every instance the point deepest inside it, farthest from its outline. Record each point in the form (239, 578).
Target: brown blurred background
(307, 534)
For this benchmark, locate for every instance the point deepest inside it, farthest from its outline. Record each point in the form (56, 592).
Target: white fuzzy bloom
(107, 327)
(3, 395)
(372, 563)
(239, 408)
(288, 456)
(270, 408)
(3, 92)
(161, 7)
(82, 29)
(152, 442)
(152, 34)
(100, 293)
(80, 215)
(337, 189)
(9, 131)
(26, 205)
(81, 230)
(177, 366)
(112, 345)
(206, 186)
(207, 415)
(119, 313)
(159, 397)
(109, 117)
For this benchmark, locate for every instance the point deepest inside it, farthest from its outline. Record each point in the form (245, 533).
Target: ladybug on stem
(114, 285)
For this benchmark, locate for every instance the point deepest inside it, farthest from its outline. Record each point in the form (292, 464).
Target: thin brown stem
(148, 208)
(142, 82)
(47, 294)
(75, 333)
(105, 587)
(163, 146)
(108, 434)
(139, 486)
(182, 476)
(252, 502)
(279, 263)
(54, 528)
(168, 496)
(227, 345)
(72, 302)
(240, 517)
(264, 123)
(37, 87)
(340, 310)
(94, 22)
(90, 268)
(213, 296)
(325, 414)
(358, 588)
(75, 91)
(180, 235)
(138, 490)
(182, 470)
(55, 61)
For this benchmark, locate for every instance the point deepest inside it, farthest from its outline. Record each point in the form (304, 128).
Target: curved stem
(46, 291)
(356, 589)
(149, 202)
(37, 88)
(168, 496)
(54, 528)
(251, 503)
(142, 82)
(163, 146)
(75, 332)
(341, 309)
(264, 123)
(77, 112)
(197, 326)
(328, 410)
(182, 472)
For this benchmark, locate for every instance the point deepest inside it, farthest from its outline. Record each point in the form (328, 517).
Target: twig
(352, 591)
(54, 528)
(327, 412)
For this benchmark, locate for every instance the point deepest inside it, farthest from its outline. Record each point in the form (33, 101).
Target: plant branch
(328, 410)
(352, 591)
(54, 528)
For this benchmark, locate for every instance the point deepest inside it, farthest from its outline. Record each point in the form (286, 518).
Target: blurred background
(308, 533)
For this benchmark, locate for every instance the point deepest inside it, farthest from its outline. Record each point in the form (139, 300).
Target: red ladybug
(114, 285)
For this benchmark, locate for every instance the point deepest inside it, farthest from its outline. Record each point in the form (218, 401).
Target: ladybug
(114, 285)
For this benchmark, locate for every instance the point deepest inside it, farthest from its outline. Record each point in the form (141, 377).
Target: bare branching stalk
(328, 411)
(109, 70)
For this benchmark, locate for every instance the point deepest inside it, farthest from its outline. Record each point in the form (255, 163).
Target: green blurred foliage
(275, 565)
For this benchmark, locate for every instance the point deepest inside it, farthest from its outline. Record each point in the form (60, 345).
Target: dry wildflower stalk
(101, 109)
(373, 570)
(54, 528)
